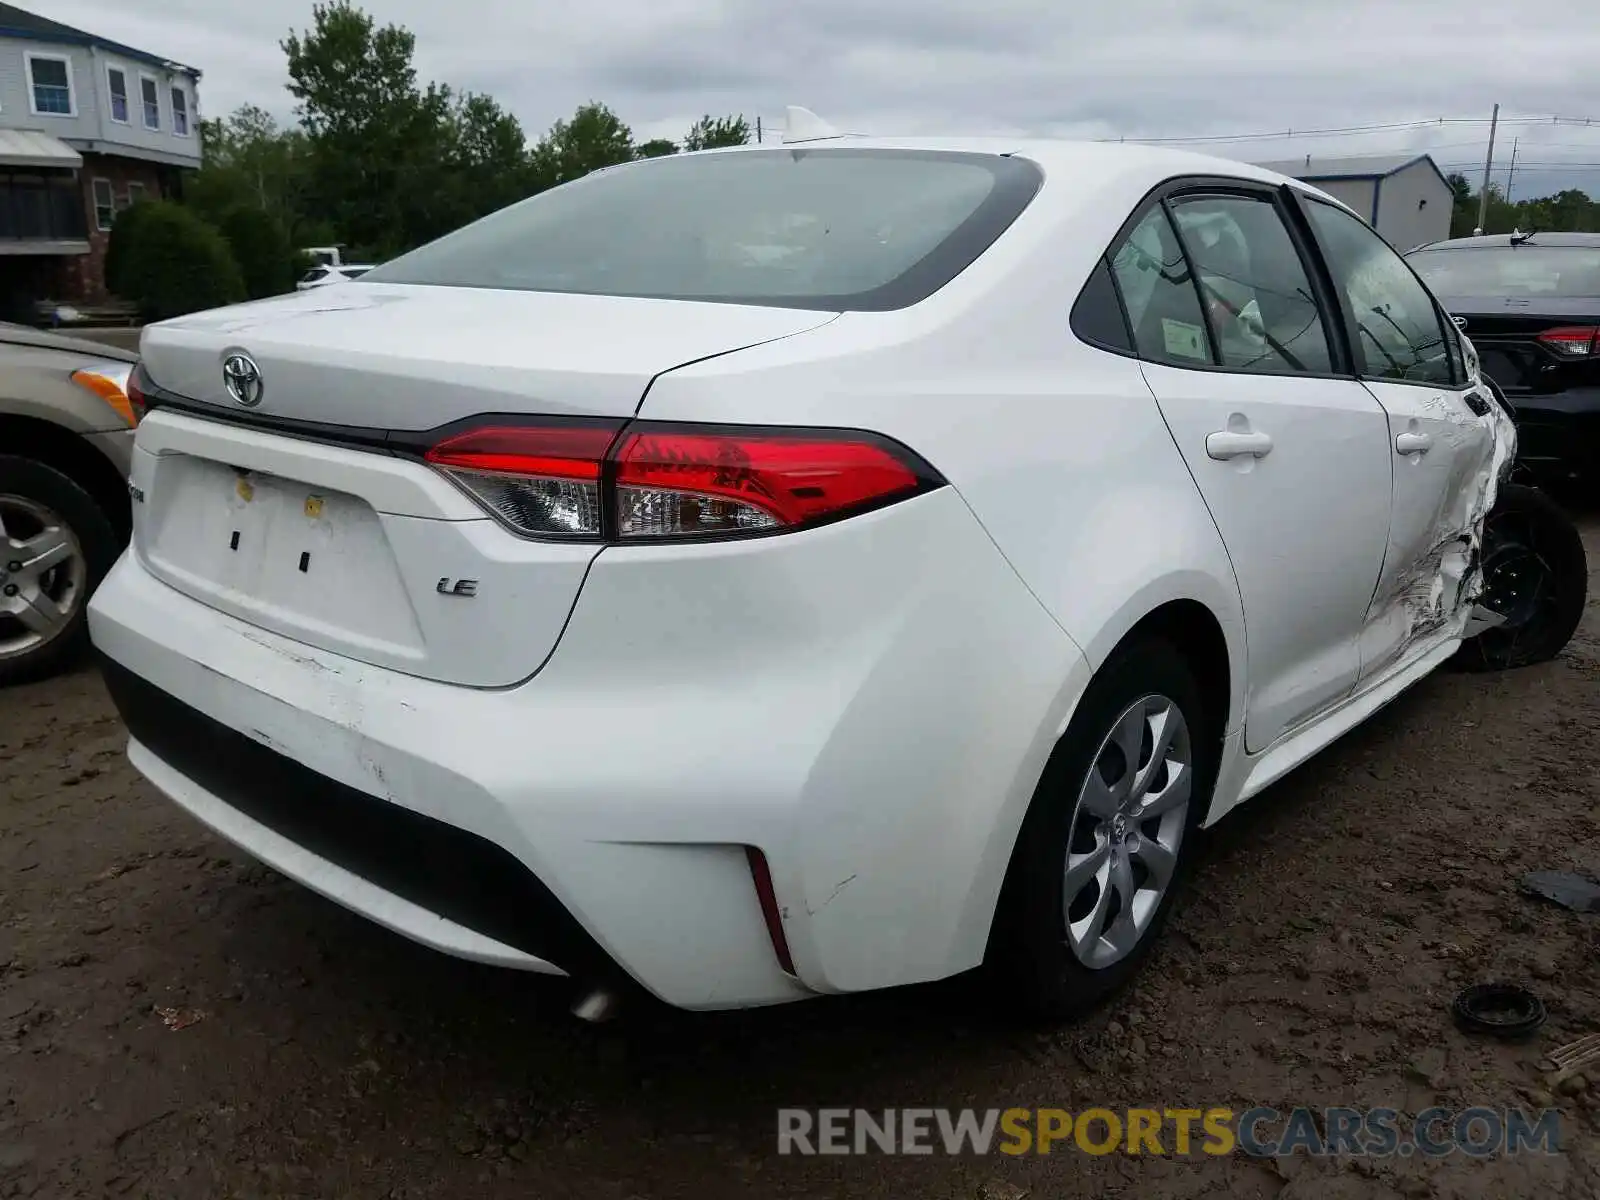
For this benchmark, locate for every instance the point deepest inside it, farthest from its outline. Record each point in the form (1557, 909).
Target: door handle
(1413, 443)
(1231, 444)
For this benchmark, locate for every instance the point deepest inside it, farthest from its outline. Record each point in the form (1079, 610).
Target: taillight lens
(1573, 341)
(677, 484)
(541, 480)
(138, 404)
(587, 480)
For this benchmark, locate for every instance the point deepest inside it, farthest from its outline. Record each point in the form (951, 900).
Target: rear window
(1559, 271)
(835, 229)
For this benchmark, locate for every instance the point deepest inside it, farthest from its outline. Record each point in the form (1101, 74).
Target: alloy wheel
(1126, 830)
(43, 576)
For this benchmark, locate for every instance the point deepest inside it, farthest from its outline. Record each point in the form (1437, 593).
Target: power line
(1532, 166)
(1359, 130)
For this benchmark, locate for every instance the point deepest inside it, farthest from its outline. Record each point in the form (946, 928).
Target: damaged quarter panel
(1449, 443)
(1441, 497)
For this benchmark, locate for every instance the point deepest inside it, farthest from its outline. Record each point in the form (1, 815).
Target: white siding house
(1405, 196)
(87, 127)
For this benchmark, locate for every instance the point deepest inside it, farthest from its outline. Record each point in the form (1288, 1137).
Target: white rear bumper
(868, 703)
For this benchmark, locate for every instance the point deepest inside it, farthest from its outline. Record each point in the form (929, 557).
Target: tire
(1536, 574)
(1032, 953)
(34, 497)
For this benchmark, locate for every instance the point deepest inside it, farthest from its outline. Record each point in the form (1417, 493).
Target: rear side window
(1097, 314)
(314, 274)
(1159, 294)
(1397, 331)
(830, 228)
(1257, 296)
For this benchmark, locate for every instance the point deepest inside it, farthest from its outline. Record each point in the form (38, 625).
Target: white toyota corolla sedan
(801, 569)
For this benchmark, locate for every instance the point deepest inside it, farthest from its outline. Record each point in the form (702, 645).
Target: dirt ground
(316, 1055)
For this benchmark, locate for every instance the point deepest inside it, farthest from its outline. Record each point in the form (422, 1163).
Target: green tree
(595, 137)
(710, 133)
(249, 161)
(172, 263)
(261, 248)
(487, 161)
(1570, 210)
(378, 142)
(656, 148)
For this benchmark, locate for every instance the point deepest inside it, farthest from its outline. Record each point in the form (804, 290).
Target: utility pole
(1511, 175)
(758, 131)
(1488, 163)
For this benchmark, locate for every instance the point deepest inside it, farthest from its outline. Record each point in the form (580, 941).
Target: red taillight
(661, 481)
(676, 483)
(1573, 341)
(542, 480)
(767, 897)
(136, 397)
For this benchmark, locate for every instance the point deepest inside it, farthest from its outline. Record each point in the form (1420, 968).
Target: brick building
(87, 126)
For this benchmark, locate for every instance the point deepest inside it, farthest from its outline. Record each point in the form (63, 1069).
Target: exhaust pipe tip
(597, 1005)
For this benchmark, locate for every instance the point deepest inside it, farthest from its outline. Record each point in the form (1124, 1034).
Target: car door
(1440, 443)
(1288, 450)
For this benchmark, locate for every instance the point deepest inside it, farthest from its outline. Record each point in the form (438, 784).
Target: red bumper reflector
(762, 874)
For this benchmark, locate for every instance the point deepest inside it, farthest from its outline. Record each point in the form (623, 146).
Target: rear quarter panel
(1058, 447)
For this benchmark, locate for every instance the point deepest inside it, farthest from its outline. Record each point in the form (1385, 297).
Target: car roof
(1061, 156)
(1502, 241)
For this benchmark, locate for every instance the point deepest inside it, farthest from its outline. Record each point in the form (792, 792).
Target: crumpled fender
(1439, 598)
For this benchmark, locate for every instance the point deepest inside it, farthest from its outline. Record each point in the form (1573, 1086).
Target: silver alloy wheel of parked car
(1126, 831)
(43, 574)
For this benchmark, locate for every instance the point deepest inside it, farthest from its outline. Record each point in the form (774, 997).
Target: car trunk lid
(395, 356)
(1506, 331)
(343, 542)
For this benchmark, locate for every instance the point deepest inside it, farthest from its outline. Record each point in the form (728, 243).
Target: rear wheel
(1535, 575)
(55, 547)
(1107, 839)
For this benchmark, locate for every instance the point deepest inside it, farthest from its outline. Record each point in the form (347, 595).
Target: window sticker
(1184, 340)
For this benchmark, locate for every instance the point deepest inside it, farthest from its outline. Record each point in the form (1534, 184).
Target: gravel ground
(176, 1021)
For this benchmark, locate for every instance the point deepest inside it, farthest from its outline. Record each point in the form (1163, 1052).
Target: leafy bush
(174, 263)
(123, 232)
(261, 248)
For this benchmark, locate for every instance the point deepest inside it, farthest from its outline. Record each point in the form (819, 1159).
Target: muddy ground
(315, 1055)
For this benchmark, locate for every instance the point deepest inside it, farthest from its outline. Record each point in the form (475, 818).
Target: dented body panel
(1452, 448)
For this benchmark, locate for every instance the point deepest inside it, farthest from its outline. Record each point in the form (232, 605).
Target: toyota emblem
(242, 378)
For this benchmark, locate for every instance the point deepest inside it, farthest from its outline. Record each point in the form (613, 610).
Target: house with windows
(87, 127)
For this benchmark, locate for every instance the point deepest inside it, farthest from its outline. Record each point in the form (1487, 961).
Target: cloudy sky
(1132, 68)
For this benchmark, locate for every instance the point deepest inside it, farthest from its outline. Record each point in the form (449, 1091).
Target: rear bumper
(870, 704)
(1559, 434)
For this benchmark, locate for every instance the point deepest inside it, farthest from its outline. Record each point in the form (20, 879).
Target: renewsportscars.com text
(1261, 1132)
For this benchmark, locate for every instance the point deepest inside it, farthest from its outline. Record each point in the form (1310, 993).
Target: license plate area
(308, 562)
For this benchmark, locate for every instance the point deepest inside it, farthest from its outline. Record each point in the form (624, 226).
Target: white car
(585, 594)
(324, 274)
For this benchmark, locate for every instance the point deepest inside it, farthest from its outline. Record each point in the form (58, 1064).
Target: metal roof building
(1405, 196)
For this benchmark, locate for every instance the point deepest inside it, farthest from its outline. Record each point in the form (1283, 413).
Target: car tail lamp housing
(138, 398)
(1573, 341)
(629, 483)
